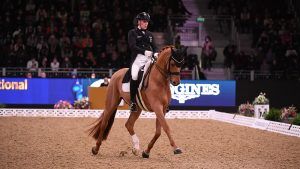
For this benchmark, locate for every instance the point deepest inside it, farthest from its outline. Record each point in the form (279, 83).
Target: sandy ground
(62, 143)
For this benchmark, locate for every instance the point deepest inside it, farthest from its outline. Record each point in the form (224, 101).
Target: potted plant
(63, 104)
(261, 105)
(82, 103)
(246, 109)
(288, 114)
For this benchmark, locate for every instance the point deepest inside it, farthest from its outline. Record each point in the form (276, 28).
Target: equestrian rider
(142, 46)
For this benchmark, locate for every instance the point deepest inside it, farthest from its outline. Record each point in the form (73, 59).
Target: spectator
(44, 63)
(66, 63)
(93, 76)
(87, 42)
(208, 53)
(105, 82)
(229, 52)
(245, 20)
(54, 65)
(32, 64)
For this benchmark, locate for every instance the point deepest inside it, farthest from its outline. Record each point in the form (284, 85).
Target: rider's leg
(139, 61)
(133, 86)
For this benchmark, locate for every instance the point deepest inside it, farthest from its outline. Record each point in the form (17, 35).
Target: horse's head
(169, 63)
(175, 62)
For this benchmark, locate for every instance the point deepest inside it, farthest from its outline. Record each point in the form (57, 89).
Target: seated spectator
(32, 64)
(66, 63)
(93, 76)
(105, 83)
(54, 65)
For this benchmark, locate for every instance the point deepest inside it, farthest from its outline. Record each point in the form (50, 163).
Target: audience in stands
(276, 41)
(82, 34)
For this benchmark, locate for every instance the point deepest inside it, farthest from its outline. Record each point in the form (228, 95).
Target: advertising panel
(204, 93)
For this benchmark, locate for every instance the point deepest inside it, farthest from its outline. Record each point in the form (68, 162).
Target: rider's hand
(148, 53)
(156, 55)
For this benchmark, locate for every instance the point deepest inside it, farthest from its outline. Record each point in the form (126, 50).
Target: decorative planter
(260, 110)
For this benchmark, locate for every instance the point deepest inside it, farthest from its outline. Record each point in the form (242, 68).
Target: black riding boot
(133, 91)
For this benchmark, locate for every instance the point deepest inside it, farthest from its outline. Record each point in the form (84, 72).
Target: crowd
(74, 34)
(93, 34)
(273, 25)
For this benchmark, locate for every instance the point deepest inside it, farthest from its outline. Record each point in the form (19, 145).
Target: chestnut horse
(156, 97)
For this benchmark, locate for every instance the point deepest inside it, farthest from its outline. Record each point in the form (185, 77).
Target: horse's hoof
(122, 153)
(94, 151)
(177, 151)
(135, 151)
(145, 155)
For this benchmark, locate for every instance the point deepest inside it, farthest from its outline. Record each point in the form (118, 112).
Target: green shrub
(273, 115)
(296, 120)
(2, 106)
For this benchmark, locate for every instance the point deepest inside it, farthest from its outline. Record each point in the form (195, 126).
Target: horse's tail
(111, 105)
(94, 131)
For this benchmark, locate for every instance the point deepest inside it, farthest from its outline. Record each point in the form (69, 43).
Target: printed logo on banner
(186, 91)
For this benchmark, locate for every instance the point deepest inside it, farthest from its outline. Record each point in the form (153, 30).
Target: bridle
(178, 63)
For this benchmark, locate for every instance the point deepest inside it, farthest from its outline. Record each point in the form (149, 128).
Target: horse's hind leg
(130, 127)
(152, 142)
(111, 105)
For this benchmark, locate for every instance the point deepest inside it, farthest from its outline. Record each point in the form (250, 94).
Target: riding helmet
(143, 16)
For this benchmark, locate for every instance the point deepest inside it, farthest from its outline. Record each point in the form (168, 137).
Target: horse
(156, 97)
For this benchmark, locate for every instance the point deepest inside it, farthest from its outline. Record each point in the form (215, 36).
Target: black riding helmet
(143, 16)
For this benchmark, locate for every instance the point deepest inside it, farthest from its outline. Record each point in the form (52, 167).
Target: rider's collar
(143, 30)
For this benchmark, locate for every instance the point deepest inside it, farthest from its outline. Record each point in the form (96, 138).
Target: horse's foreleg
(152, 142)
(162, 120)
(130, 127)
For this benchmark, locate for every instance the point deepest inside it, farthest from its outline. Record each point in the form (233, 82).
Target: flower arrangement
(261, 99)
(82, 103)
(289, 112)
(246, 109)
(63, 104)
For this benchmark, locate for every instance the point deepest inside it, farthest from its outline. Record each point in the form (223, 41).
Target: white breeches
(139, 61)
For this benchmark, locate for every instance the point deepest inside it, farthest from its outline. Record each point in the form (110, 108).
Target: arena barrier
(282, 128)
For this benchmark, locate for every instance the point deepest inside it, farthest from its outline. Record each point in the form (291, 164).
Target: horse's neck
(158, 77)
(159, 71)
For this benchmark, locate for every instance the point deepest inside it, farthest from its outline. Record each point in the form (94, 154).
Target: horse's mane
(166, 47)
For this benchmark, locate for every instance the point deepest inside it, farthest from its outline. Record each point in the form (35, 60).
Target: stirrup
(133, 107)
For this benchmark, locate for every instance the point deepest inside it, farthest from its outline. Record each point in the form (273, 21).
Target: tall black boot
(133, 91)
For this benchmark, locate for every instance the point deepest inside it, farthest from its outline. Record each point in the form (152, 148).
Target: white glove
(156, 55)
(148, 53)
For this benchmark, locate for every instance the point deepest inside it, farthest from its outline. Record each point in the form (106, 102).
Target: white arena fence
(282, 128)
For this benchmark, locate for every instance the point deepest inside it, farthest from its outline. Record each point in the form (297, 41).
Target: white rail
(282, 128)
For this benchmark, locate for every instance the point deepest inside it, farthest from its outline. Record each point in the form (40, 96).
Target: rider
(142, 46)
